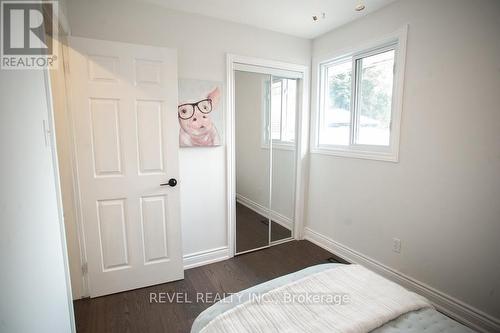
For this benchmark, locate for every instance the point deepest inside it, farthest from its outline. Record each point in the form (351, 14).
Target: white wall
(35, 294)
(202, 43)
(443, 197)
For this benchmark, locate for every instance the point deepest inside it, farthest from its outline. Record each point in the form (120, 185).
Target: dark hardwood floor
(132, 311)
(252, 229)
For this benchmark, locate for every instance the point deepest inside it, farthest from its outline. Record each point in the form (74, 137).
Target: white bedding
(372, 302)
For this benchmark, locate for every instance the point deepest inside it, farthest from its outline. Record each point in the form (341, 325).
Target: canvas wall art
(200, 113)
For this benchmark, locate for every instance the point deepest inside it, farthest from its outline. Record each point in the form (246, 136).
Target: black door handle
(171, 182)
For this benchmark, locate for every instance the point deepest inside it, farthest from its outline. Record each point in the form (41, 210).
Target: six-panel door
(124, 112)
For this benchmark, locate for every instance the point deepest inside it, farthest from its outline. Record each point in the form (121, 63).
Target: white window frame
(395, 41)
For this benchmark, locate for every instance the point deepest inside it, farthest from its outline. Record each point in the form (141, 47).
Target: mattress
(425, 320)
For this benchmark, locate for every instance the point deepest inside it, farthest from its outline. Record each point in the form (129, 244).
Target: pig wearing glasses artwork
(197, 127)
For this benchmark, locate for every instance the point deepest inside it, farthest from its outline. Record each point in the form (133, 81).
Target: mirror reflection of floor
(252, 229)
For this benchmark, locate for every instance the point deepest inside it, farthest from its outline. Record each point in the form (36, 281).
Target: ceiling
(293, 17)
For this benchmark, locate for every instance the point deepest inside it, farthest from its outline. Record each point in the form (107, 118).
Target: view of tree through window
(340, 87)
(373, 94)
(337, 115)
(374, 99)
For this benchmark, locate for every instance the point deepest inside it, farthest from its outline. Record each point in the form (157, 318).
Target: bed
(264, 308)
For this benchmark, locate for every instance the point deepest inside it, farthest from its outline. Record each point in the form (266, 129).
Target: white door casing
(124, 110)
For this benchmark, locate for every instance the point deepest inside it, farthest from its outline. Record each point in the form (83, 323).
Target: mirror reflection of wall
(265, 149)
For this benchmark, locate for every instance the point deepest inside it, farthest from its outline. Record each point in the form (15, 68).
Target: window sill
(387, 156)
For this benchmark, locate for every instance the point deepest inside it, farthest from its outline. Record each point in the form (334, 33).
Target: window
(281, 121)
(336, 115)
(359, 103)
(374, 98)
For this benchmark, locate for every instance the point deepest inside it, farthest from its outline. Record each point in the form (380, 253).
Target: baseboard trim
(281, 219)
(205, 257)
(450, 306)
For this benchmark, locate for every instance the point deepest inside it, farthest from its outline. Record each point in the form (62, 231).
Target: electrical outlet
(396, 245)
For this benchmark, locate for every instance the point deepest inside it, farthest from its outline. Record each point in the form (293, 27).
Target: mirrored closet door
(266, 104)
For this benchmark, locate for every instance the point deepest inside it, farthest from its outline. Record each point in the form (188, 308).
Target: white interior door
(124, 110)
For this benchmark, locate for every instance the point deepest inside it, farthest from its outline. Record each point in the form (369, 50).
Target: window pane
(375, 98)
(276, 110)
(336, 116)
(289, 110)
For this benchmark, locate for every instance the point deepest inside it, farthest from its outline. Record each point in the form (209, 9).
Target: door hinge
(46, 133)
(85, 269)
(66, 67)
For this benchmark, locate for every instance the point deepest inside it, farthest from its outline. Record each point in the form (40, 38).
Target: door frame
(78, 211)
(64, 32)
(51, 141)
(302, 143)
